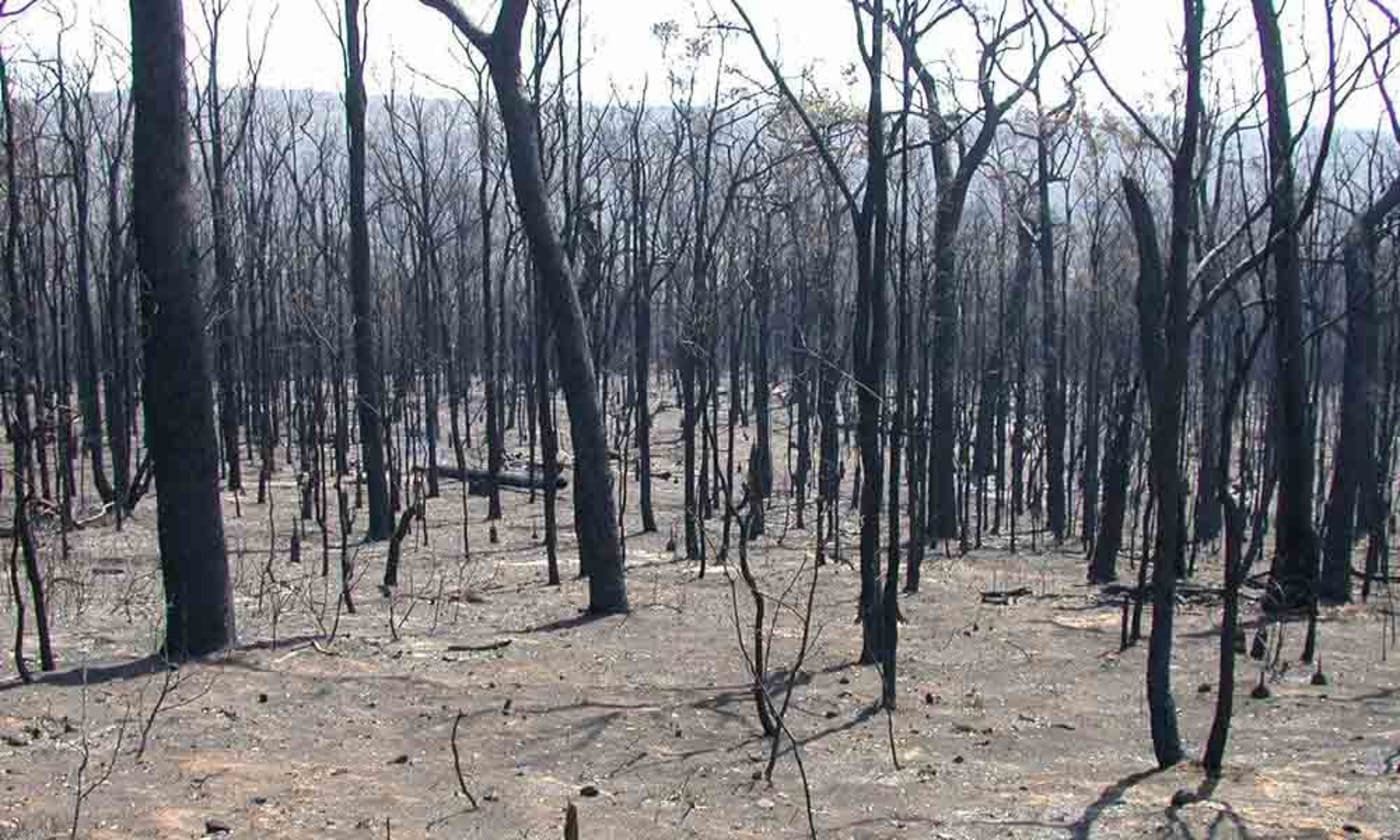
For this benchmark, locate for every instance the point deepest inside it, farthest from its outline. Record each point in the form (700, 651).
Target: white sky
(302, 51)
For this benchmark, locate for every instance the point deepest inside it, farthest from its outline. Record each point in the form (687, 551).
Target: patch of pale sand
(1289, 797)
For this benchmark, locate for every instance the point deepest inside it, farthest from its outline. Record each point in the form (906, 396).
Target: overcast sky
(620, 50)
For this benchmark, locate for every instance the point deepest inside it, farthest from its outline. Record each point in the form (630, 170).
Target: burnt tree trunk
(1294, 569)
(595, 514)
(1053, 397)
(369, 401)
(1355, 449)
(179, 405)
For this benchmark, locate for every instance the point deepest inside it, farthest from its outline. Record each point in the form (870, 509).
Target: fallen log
(479, 481)
(482, 648)
(1004, 597)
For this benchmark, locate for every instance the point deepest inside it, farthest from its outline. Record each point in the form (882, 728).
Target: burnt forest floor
(1016, 720)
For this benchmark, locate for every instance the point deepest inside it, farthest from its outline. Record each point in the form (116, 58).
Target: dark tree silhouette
(179, 407)
(595, 510)
(369, 400)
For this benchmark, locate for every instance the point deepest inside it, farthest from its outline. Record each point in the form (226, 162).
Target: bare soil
(1022, 720)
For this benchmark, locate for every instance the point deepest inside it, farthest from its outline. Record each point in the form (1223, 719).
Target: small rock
(957, 759)
(490, 795)
(1203, 688)
(13, 740)
(262, 697)
(588, 791)
(929, 698)
(764, 802)
(830, 714)
(259, 800)
(756, 775)
(399, 759)
(845, 680)
(214, 826)
(1351, 829)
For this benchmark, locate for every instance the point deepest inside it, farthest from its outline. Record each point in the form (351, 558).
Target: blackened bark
(1089, 471)
(495, 435)
(595, 509)
(549, 436)
(1052, 393)
(1103, 565)
(73, 122)
(116, 380)
(179, 406)
(1163, 362)
(1235, 570)
(1355, 449)
(641, 328)
(1208, 506)
(1294, 569)
(225, 314)
(761, 457)
(369, 402)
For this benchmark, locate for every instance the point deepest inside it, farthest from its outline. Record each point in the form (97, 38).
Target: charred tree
(595, 517)
(369, 401)
(1355, 448)
(179, 408)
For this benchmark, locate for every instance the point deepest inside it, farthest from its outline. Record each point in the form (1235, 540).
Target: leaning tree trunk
(595, 509)
(1165, 339)
(1163, 363)
(179, 406)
